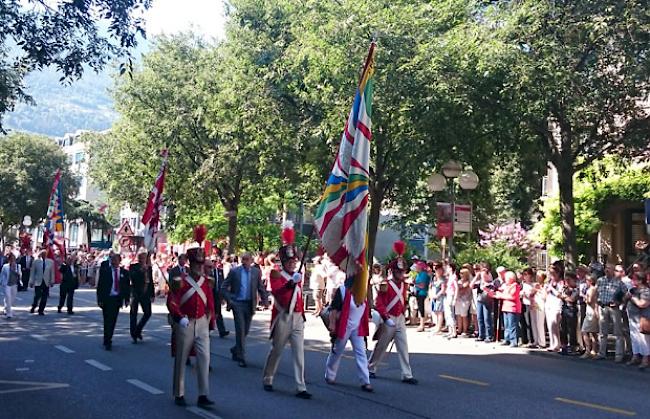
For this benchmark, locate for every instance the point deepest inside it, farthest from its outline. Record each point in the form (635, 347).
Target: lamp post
(467, 180)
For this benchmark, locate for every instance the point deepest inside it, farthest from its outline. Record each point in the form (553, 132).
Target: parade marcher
(288, 316)
(348, 322)
(113, 292)
(69, 282)
(142, 294)
(179, 269)
(217, 273)
(390, 303)
(241, 289)
(191, 306)
(25, 263)
(41, 278)
(9, 281)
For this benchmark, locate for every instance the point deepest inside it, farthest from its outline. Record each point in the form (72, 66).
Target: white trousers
(10, 297)
(361, 358)
(388, 334)
(537, 325)
(450, 318)
(288, 328)
(553, 325)
(197, 334)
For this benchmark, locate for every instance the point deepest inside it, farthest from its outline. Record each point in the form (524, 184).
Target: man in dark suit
(217, 274)
(113, 292)
(241, 289)
(180, 268)
(141, 276)
(69, 282)
(25, 263)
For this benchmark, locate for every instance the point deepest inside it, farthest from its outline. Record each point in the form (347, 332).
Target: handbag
(644, 325)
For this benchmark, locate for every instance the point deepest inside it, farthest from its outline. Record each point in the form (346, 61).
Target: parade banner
(342, 215)
(151, 215)
(53, 233)
(444, 221)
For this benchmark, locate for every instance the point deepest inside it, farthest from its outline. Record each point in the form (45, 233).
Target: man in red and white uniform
(191, 305)
(287, 321)
(390, 303)
(348, 322)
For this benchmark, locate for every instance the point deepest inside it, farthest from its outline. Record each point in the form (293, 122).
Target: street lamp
(467, 180)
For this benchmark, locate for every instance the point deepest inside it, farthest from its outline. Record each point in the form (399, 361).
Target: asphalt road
(54, 366)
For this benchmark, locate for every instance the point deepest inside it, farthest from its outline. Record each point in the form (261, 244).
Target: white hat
(500, 269)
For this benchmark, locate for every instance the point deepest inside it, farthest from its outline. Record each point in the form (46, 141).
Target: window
(74, 233)
(79, 157)
(97, 235)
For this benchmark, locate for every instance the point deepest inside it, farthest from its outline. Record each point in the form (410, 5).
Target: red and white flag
(151, 215)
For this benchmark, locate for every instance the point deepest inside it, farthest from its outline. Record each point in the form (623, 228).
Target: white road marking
(39, 337)
(29, 386)
(202, 412)
(98, 365)
(144, 386)
(64, 349)
(22, 369)
(29, 361)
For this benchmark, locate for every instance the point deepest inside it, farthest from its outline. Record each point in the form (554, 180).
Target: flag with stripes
(151, 215)
(341, 218)
(54, 226)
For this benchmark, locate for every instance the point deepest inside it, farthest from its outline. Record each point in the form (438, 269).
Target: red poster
(444, 220)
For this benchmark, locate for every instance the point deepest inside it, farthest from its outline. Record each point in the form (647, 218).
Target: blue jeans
(484, 313)
(511, 321)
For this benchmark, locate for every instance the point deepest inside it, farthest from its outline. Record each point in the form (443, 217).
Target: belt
(612, 305)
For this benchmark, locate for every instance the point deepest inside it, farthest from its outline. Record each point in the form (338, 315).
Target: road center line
(203, 413)
(144, 386)
(464, 380)
(39, 337)
(64, 349)
(22, 369)
(596, 406)
(98, 365)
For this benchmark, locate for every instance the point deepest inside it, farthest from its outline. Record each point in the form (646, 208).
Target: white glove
(390, 323)
(184, 322)
(296, 277)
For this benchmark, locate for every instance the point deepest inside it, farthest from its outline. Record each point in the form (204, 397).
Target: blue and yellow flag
(342, 215)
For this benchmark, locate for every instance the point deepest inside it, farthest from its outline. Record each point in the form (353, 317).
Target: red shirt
(194, 307)
(384, 299)
(282, 294)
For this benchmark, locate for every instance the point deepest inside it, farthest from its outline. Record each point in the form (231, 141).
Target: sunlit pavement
(54, 366)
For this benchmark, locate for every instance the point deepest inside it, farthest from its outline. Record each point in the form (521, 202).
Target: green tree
(67, 35)
(79, 209)
(210, 107)
(29, 165)
(577, 75)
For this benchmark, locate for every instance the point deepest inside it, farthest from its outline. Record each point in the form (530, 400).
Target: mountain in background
(86, 104)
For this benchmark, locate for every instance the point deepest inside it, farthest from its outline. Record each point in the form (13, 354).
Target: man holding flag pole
(341, 220)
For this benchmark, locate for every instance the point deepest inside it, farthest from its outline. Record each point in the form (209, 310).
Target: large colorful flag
(151, 215)
(341, 218)
(54, 226)
(53, 234)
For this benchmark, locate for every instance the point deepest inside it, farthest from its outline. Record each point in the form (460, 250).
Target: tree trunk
(567, 211)
(232, 229)
(376, 198)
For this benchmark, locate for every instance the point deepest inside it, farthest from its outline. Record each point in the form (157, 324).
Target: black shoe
(303, 395)
(242, 363)
(367, 388)
(32, 310)
(479, 340)
(188, 363)
(40, 313)
(135, 339)
(268, 387)
(410, 380)
(209, 368)
(372, 375)
(70, 312)
(58, 310)
(108, 346)
(204, 402)
(224, 334)
(180, 401)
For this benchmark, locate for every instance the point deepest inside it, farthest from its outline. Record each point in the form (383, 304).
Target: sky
(173, 16)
